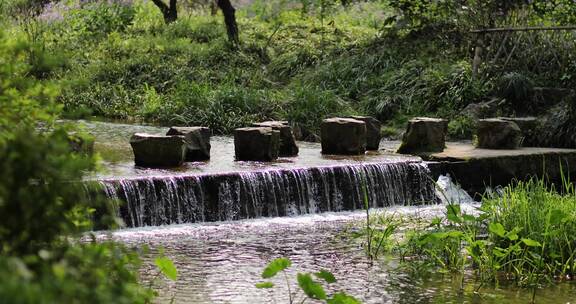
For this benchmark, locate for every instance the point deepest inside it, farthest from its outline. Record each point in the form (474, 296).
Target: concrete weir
(475, 169)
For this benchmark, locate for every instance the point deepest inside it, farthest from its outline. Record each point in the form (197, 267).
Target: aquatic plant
(311, 288)
(527, 235)
(378, 231)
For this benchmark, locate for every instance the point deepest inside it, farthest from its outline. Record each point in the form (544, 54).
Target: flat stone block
(197, 141)
(343, 136)
(424, 135)
(373, 135)
(256, 144)
(288, 147)
(495, 133)
(158, 150)
(528, 127)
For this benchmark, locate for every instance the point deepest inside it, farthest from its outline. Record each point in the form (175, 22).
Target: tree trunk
(170, 13)
(230, 20)
(213, 7)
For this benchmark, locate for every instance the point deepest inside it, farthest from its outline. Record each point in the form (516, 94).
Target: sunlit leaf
(342, 298)
(497, 229)
(531, 243)
(310, 288)
(468, 218)
(264, 285)
(275, 266)
(499, 252)
(453, 213)
(167, 267)
(326, 276)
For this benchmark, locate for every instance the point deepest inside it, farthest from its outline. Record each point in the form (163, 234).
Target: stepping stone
(157, 151)
(288, 145)
(424, 135)
(256, 144)
(197, 142)
(373, 135)
(343, 136)
(495, 133)
(528, 127)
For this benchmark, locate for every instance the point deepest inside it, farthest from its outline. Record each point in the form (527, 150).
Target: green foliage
(517, 89)
(461, 127)
(166, 267)
(527, 236)
(43, 206)
(101, 18)
(300, 61)
(275, 267)
(311, 288)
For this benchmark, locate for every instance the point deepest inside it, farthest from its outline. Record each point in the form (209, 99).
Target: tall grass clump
(541, 213)
(526, 235)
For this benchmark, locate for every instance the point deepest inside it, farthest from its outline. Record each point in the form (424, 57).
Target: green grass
(301, 66)
(526, 235)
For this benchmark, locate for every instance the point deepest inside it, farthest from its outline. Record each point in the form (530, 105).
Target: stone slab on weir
(475, 169)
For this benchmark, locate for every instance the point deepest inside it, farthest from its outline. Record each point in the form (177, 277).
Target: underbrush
(525, 235)
(296, 63)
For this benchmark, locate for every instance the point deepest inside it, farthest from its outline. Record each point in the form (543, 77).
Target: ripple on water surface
(221, 262)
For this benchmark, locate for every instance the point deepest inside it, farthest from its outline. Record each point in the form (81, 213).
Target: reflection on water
(112, 143)
(221, 262)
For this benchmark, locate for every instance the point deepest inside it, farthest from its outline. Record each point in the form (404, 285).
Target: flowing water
(219, 262)
(222, 189)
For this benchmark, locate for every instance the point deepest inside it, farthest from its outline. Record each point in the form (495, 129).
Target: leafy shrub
(83, 273)
(461, 127)
(43, 204)
(526, 236)
(517, 89)
(102, 17)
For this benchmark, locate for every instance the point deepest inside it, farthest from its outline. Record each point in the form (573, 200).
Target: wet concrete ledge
(475, 169)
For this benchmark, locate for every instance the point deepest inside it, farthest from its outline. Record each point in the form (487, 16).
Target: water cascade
(152, 201)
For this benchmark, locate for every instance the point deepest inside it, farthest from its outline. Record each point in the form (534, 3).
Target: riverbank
(292, 64)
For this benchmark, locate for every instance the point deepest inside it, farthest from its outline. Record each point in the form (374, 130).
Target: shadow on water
(221, 262)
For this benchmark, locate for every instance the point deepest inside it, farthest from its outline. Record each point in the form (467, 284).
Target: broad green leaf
(499, 252)
(531, 243)
(455, 234)
(342, 298)
(275, 266)
(264, 285)
(326, 276)
(512, 235)
(167, 267)
(453, 213)
(312, 289)
(497, 229)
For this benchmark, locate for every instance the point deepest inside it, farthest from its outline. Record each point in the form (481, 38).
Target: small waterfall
(152, 201)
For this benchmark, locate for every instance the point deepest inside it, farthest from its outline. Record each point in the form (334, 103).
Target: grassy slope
(290, 66)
